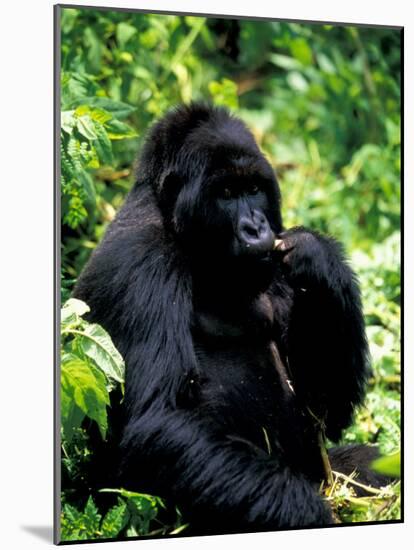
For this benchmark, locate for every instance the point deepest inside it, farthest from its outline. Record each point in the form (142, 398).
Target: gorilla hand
(308, 258)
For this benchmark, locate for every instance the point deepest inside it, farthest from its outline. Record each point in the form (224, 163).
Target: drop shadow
(43, 532)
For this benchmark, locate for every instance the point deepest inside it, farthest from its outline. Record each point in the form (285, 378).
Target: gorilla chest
(241, 380)
(243, 386)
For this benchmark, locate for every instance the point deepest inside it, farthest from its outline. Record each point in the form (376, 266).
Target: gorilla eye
(227, 193)
(253, 189)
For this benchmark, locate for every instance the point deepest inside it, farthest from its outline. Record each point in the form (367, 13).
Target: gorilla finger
(282, 246)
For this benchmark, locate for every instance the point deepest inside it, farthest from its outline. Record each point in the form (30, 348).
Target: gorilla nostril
(250, 231)
(247, 228)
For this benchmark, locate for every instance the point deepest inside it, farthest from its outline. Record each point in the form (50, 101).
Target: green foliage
(89, 123)
(378, 505)
(90, 366)
(388, 465)
(133, 515)
(323, 102)
(224, 93)
(379, 270)
(140, 512)
(89, 524)
(82, 391)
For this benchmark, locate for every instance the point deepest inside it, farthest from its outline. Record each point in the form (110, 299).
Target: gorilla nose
(255, 234)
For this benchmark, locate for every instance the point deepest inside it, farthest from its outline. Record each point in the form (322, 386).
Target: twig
(325, 459)
(365, 487)
(320, 423)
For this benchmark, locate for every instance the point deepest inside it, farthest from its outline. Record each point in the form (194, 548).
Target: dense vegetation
(324, 104)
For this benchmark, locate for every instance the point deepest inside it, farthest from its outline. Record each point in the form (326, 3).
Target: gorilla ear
(169, 188)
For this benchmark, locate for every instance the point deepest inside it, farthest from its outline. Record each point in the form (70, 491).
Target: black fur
(217, 328)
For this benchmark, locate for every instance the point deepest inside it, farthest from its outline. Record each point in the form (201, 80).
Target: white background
(26, 270)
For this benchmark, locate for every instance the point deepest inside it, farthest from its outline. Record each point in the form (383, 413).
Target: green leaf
(85, 386)
(96, 114)
(297, 81)
(82, 110)
(96, 343)
(117, 109)
(119, 130)
(132, 532)
(67, 121)
(91, 517)
(224, 93)
(70, 520)
(124, 32)
(115, 520)
(73, 149)
(301, 50)
(100, 115)
(142, 509)
(94, 49)
(76, 211)
(71, 311)
(88, 186)
(77, 525)
(103, 145)
(85, 126)
(71, 416)
(76, 85)
(285, 61)
(325, 63)
(388, 465)
(72, 513)
(68, 20)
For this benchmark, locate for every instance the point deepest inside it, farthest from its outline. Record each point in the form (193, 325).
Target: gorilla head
(218, 194)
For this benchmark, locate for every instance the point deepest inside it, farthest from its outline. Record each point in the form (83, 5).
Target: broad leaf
(85, 386)
(71, 311)
(86, 127)
(117, 109)
(96, 343)
(119, 130)
(100, 115)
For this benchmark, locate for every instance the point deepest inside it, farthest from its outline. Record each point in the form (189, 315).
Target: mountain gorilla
(243, 342)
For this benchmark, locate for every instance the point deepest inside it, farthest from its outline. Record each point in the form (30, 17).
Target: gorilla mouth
(257, 252)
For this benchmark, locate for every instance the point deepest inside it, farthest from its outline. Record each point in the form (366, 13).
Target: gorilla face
(243, 203)
(230, 211)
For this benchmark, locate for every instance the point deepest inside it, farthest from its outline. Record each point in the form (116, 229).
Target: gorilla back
(242, 341)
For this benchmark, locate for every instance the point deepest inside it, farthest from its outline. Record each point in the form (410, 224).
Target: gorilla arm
(209, 475)
(325, 342)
